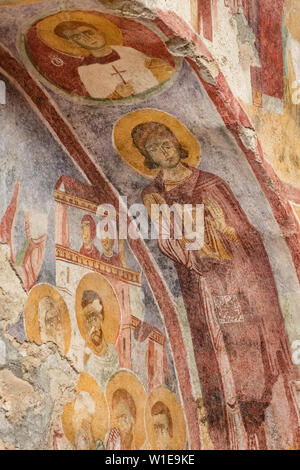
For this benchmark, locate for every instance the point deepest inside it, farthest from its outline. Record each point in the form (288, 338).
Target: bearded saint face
(93, 317)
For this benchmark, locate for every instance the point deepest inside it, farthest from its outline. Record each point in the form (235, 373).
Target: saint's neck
(103, 52)
(100, 350)
(108, 254)
(88, 246)
(174, 176)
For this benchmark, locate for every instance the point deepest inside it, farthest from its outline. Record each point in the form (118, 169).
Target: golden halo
(18, 2)
(164, 395)
(86, 383)
(131, 384)
(47, 26)
(111, 323)
(31, 313)
(131, 155)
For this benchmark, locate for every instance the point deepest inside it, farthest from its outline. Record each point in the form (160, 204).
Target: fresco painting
(97, 56)
(234, 313)
(136, 344)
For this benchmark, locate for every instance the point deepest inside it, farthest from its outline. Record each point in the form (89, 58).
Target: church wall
(212, 334)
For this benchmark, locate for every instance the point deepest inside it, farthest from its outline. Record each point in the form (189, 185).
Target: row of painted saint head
(110, 247)
(122, 418)
(97, 313)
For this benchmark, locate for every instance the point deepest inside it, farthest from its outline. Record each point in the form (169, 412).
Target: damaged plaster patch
(6, 446)
(16, 396)
(248, 54)
(2, 353)
(178, 46)
(12, 293)
(249, 138)
(208, 68)
(37, 381)
(129, 8)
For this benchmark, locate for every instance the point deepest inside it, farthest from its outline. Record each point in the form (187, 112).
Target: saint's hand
(219, 219)
(125, 89)
(216, 213)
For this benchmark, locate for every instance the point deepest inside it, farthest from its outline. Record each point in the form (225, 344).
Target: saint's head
(124, 413)
(107, 242)
(93, 317)
(88, 230)
(158, 144)
(162, 426)
(84, 410)
(50, 322)
(81, 34)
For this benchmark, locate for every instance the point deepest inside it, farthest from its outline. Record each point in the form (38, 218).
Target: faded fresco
(98, 57)
(124, 343)
(263, 71)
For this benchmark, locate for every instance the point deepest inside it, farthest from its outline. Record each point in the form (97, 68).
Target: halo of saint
(47, 317)
(85, 419)
(126, 400)
(94, 282)
(165, 422)
(122, 136)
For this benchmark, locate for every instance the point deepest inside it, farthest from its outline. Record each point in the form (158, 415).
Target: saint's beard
(96, 338)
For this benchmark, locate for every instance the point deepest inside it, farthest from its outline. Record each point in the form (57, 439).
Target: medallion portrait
(97, 58)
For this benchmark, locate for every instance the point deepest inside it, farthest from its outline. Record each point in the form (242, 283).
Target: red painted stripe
(271, 51)
(205, 17)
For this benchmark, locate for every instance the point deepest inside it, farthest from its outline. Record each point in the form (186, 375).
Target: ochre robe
(233, 310)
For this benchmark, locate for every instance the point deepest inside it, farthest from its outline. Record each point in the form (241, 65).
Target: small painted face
(86, 234)
(82, 429)
(161, 432)
(93, 321)
(164, 151)
(53, 321)
(87, 37)
(107, 243)
(123, 418)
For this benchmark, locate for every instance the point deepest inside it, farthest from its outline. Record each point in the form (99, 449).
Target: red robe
(92, 252)
(114, 259)
(234, 314)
